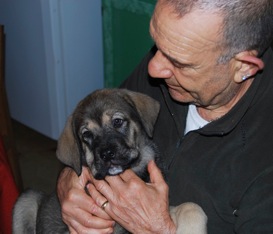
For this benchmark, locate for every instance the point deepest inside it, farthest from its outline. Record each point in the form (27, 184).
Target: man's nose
(160, 66)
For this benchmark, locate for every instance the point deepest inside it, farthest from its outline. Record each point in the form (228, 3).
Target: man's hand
(79, 210)
(138, 206)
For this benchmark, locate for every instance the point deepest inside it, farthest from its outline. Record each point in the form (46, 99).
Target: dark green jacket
(227, 166)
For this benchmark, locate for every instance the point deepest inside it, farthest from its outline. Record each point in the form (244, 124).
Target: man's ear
(247, 65)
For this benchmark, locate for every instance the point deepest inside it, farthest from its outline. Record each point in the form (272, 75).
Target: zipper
(180, 139)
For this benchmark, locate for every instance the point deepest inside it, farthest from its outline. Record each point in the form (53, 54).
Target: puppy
(109, 131)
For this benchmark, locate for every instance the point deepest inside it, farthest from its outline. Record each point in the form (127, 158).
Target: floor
(37, 159)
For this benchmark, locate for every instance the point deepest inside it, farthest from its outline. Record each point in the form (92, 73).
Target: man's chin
(177, 96)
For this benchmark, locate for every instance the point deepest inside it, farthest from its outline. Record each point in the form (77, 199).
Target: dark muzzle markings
(112, 155)
(111, 145)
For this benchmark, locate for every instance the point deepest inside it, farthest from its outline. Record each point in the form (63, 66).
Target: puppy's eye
(117, 123)
(87, 136)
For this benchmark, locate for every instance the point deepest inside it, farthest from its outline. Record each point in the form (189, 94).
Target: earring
(245, 77)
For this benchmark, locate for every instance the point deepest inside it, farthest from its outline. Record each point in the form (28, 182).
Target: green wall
(126, 37)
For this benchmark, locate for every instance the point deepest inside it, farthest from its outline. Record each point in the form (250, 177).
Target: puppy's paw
(189, 218)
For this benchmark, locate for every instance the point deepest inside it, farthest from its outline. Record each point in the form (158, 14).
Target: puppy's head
(108, 132)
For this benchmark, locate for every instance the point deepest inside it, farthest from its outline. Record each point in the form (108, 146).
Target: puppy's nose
(107, 154)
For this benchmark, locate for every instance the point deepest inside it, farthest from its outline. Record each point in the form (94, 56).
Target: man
(211, 70)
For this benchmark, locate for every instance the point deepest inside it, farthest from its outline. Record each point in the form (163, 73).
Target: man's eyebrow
(175, 62)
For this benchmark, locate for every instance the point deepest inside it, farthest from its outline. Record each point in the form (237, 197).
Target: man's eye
(117, 123)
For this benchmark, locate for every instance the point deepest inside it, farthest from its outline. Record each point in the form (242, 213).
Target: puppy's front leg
(189, 218)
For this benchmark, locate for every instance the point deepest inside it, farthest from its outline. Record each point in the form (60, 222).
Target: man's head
(247, 24)
(203, 51)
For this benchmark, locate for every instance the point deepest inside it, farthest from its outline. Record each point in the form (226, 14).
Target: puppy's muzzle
(117, 154)
(107, 154)
(112, 157)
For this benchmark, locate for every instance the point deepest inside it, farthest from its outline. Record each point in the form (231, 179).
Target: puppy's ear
(67, 148)
(148, 109)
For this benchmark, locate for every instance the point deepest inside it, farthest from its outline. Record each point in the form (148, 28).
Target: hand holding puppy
(79, 210)
(138, 206)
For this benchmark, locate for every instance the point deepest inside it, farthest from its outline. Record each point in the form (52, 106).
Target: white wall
(54, 57)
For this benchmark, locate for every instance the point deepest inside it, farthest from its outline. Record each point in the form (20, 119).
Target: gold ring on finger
(104, 205)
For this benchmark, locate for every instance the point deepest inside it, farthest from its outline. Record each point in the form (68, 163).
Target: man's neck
(215, 112)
